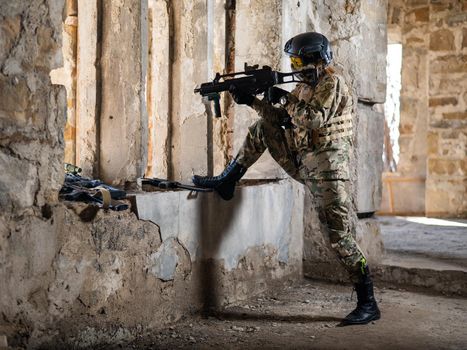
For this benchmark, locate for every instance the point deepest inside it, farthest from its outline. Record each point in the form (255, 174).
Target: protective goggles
(297, 62)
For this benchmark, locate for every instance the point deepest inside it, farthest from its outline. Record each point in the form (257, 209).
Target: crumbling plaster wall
(32, 111)
(71, 276)
(357, 31)
(71, 281)
(433, 104)
(123, 120)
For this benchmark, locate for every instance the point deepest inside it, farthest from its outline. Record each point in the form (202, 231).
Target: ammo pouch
(337, 128)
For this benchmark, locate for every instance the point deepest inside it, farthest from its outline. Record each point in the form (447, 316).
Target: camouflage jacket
(322, 136)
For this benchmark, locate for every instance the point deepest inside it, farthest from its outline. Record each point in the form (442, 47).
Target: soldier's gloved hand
(274, 94)
(286, 120)
(240, 97)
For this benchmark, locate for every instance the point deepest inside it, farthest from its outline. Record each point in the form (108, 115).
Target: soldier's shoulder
(329, 80)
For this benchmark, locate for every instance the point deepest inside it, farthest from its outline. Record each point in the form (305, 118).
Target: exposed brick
(414, 3)
(451, 134)
(460, 18)
(449, 64)
(455, 115)
(421, 14)
(464, 37)
(432, 143)
(414, 41)
(447, 167)
(447, 85)
(442, 101)
(406, 128)
(396, 16)
(441, 6)
(442, 39)
(448, 124)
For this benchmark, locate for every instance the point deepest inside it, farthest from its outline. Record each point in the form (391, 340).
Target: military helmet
(307, 48)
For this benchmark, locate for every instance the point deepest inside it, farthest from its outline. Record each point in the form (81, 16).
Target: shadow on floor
(237, 315)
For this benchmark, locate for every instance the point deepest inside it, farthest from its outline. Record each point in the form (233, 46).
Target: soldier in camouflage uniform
(310, 137)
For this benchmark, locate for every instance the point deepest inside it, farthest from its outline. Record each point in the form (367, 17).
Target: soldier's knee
(335, 217)
(257, 128)
(262, 129)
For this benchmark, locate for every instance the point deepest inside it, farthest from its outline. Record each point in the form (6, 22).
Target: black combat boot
(367, 308)
(224, 183)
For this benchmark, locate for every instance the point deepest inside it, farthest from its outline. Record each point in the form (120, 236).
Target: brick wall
(447, 105)
(431, 177)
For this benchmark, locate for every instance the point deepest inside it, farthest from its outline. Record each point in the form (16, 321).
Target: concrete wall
(123, 120)
(32, 111)
(430, 176)
(209, 227)
(72, 275)
(80, 277)
(357, 30)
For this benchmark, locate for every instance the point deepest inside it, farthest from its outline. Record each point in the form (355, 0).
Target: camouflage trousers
(332, 197)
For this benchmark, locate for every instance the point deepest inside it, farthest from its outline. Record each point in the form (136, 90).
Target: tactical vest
(338, 127)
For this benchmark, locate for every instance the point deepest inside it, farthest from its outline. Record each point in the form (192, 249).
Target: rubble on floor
(306, 316)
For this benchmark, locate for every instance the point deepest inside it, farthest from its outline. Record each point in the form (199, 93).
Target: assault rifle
(252, 80)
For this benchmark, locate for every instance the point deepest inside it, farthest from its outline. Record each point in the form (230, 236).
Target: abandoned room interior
(108, 87)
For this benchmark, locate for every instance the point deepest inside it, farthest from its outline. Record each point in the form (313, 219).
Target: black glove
(286, 122)
(240, 97)
(274, 94)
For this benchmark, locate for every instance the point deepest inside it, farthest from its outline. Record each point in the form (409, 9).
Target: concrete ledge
(267, 216)
(418, 272)
(104, 279)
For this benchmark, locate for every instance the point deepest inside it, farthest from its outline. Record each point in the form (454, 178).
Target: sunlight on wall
(435, 222)
(392, 107)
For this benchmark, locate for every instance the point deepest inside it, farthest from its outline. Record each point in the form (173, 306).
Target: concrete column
(189, 127)
(70, 31)
(258, 41)
(357, 31)
(221, 49)
(369, 150)
(123, 121)
(86, 99)
(159, 88)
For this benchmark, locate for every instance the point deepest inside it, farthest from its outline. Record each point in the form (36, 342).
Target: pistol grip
(217, 106)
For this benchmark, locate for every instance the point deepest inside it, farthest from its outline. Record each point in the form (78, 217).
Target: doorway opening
(392, 108)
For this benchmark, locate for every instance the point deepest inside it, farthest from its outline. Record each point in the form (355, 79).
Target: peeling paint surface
(164, 261)
(210, 227)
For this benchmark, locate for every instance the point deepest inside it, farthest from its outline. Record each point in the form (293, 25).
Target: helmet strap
(312, 78)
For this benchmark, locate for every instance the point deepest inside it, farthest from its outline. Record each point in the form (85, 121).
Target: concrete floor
(421, 252)
(306, 317)
(439, 238)
(425, 253)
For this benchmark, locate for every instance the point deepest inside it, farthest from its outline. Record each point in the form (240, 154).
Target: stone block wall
(446, 182)
(431, 174)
